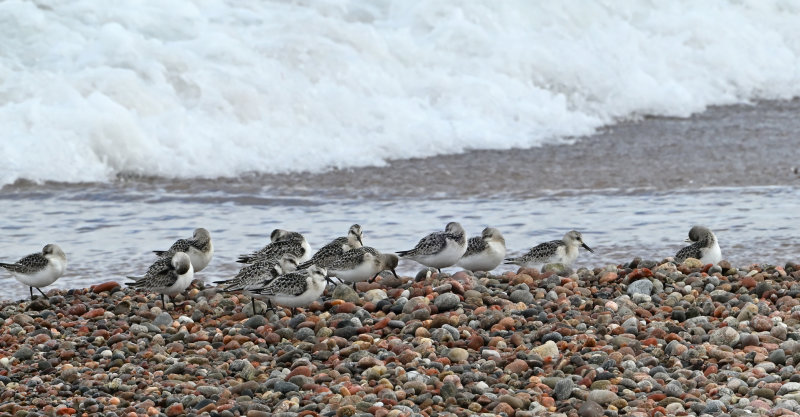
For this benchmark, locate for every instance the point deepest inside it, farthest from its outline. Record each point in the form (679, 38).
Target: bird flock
(286, 274)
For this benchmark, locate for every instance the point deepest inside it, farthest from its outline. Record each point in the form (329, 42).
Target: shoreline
(632, 340)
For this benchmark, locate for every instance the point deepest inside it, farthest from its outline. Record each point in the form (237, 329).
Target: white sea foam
(212, 88)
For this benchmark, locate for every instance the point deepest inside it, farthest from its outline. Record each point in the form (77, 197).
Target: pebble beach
(645, 338)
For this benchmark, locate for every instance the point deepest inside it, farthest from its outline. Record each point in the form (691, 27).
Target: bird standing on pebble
(199, 248)
(564, 251)
(39, 270)
(281, 241)
(259, 274)
(484, 252)
(295, 289)
(167, 276)
(439, 249)
(704, 247)
(336, 248)
(361, 264)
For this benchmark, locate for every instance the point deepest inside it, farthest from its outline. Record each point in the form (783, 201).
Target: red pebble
(300, 370)
(650, 341)
(272, 338)
(347, 308)
(95, 312)
(504, 408)
(518, 366)
(232, 345)
(381, 324)
(175, 410)
(77, 309)
(106, 286)
(748, 282)
(547, 401)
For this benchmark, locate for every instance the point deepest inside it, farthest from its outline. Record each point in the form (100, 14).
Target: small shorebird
(259, 274)
(704, 247)
(295, 289)
(39, 270)
(484, 252)
(334, 249)
(361, 264)
(563, 251)
(167, 276)
(439, 249)
(281, 241)
(199, 248)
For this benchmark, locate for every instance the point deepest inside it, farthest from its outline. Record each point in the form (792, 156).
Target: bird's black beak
(394, 273)
(360, 242)
(585, 246)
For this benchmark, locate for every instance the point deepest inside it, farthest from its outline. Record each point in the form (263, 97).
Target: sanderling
(333, 250)
(440, 249)
(167, 276)
(563, 251)
(282, 242)
(259, 274)
(39, 270)
(361, 264)
(484, 252)
(199, 248)
(295, 289)
(704, 247)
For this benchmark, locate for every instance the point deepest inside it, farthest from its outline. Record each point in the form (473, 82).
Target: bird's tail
(245, 259)
(135, 281)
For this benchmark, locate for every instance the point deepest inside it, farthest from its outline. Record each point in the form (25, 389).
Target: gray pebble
(163, 319)
(642, 286)
(24, 353)
(284, 387)
(446, 301)
(563, 389)
(521, 296)
(255, 322)
(724, 336)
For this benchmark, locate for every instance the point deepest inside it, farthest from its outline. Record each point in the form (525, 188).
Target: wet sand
(731, 146)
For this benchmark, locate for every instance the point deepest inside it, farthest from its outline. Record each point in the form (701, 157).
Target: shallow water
(108, 234)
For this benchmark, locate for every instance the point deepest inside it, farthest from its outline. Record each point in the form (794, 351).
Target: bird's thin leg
(40, 290)
(253, 301)
(31, 292)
